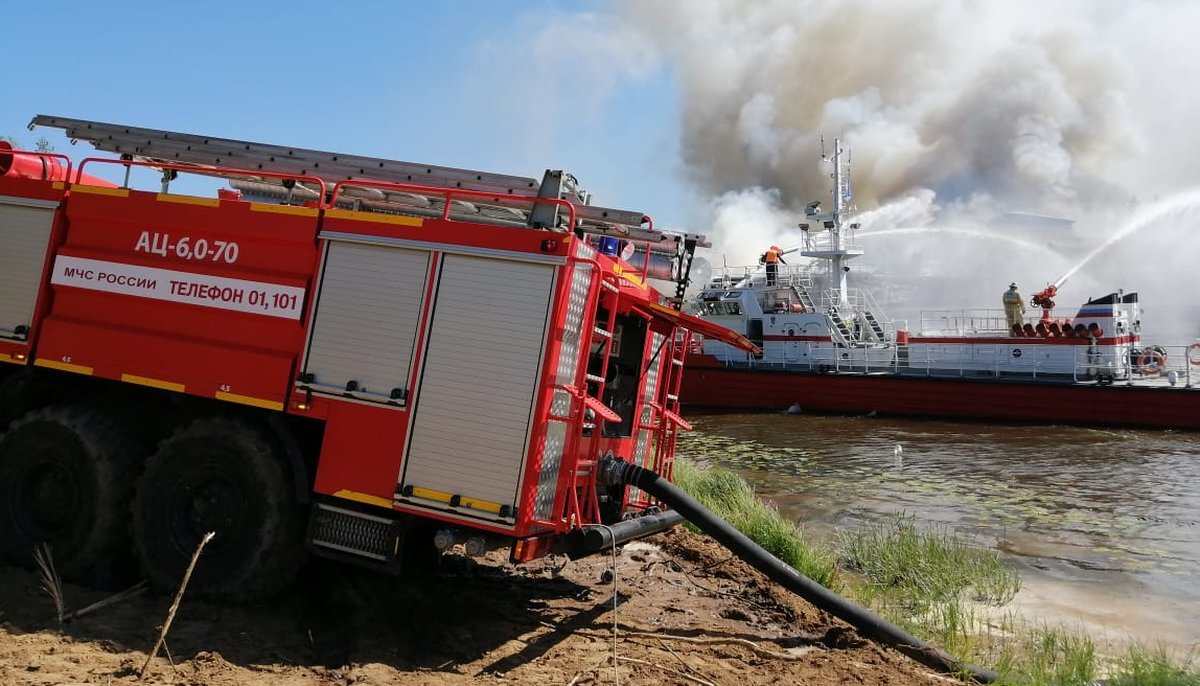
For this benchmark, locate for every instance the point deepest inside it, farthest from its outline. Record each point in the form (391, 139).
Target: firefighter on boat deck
(772, 258)
(1014, 306)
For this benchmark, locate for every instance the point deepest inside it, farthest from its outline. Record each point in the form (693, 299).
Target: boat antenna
(837, 253)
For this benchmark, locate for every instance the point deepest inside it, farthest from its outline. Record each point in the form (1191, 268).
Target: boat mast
(836, 253)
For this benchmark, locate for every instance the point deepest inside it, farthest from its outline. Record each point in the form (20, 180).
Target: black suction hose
(867, 622)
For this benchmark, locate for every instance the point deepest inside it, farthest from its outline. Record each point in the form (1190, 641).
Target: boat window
(721, 308)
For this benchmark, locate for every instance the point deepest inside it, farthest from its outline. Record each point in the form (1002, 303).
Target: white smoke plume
(745, 222)
(955, 112)
(1025, 101)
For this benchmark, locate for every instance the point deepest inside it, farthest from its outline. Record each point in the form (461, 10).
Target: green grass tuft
(903, 565)
(731, 498)
(1141, 666)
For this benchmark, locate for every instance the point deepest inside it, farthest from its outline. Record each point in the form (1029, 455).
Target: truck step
(352, 532)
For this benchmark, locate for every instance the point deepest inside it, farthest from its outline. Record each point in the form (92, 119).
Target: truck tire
(224, 476)
(29, 389)
(66, 479)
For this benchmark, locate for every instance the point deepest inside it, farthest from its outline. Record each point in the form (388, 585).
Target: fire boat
(826, 347)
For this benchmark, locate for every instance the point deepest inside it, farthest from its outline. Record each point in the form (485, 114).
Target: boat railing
(800, 276)
(823, 240)
(1172, 364)
(1171, 367)
(857, 298)
(873, 311)
(728, 277)
(860, 308)
(963, 322)
(863, 360)
(931, 361)
(961, 362)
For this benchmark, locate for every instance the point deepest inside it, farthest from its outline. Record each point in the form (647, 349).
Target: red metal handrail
(207, 171)
(449, 194)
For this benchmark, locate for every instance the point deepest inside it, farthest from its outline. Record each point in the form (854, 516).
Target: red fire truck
(365, 358)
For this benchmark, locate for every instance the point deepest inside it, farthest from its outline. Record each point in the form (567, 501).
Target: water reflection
(1069, 504)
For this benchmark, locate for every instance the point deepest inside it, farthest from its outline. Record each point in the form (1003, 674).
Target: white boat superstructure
(795, 322)
(809, 318)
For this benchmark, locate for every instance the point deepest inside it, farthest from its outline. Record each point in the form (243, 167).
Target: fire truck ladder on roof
(513, 202)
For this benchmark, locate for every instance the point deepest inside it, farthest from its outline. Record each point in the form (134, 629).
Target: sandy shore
(686, 613)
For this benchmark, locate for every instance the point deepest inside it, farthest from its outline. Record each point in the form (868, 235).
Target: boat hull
(707, 383)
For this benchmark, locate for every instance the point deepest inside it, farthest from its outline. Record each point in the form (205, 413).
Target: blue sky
(497, 86)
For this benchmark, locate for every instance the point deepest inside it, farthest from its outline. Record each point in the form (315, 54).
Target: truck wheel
(66, 478)
(29, 389)
(223, 476)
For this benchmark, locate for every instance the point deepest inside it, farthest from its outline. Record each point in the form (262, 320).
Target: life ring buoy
(1151, 362)
(1193, 354)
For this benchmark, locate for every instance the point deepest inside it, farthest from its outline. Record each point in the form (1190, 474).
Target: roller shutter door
(366, 321)
(24, 233)
(478, 383)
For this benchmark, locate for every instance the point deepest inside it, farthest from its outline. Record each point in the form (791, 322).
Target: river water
(1103, 525)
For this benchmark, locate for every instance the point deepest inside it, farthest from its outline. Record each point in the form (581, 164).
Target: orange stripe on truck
(63, 366)
(250, 400)
(153, 383)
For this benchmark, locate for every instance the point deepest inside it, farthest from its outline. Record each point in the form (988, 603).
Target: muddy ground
(686, 614)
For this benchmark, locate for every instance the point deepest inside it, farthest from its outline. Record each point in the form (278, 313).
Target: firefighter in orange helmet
(773, 257)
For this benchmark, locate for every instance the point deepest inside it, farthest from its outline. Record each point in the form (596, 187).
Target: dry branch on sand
(187, 575)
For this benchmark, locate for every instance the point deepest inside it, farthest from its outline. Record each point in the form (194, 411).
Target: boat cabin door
(791, 346)
(754, 331)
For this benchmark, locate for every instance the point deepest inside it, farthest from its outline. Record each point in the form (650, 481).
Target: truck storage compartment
(365, 326)
(25, 225)
(473, 411)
